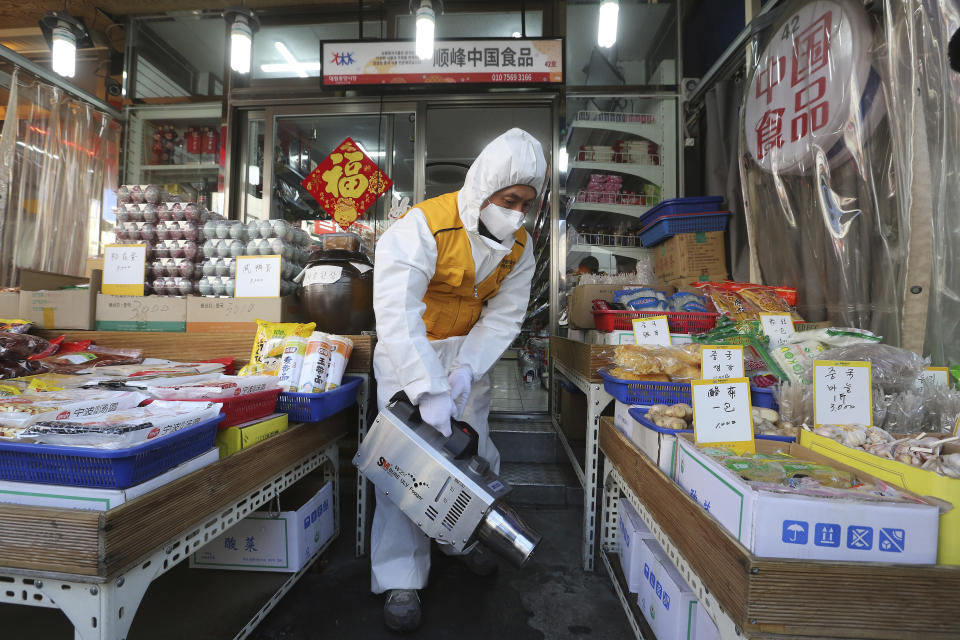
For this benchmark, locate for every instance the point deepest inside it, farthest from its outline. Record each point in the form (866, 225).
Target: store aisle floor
(551, 598)
(510, 394)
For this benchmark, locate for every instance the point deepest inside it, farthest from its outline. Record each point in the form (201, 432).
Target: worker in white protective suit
(451, 287)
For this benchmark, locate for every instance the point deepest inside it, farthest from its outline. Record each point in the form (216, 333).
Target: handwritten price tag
(778, 327)
(721, 362)
(124, 268)
(934, 377)
(258, 277)
(842, 393)
(652, 330)
(721, 413)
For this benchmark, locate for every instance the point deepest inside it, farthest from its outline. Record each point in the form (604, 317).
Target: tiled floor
(510, 394)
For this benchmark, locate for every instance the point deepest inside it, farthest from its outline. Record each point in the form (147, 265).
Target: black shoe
(480, 561)
(401, 611)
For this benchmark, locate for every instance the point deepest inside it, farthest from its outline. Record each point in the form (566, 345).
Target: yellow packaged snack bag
(267, 353)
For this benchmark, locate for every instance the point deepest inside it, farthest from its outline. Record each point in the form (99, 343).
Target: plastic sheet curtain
(54, 152)
(850, 165)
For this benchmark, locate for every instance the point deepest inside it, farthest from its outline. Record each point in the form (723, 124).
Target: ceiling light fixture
(291, 61)
(607, 23)
(426, 26)
(243, 24)
(64, 35)
(516, 34)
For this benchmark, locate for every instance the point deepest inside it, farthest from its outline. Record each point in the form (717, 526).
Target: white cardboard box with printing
(631, 532)
(778, 525)
(278, 542)
(666, 600)
(659, 447)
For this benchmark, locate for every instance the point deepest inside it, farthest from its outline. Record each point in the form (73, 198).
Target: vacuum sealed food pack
(123, 429)
(93, 356)
(21, 346)
(219, 388)
(657, 363)
(17, 412)
(267, 353)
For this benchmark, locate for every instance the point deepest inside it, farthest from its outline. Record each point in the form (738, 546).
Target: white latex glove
(435, 410)
(460, 379)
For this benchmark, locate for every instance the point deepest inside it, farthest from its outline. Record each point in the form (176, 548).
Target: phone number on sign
(512, 77)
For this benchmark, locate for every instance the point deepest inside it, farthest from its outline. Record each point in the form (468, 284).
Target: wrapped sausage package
(219, 388)
(291, 365)
(342, 348)
(123, 429)
(316, 364)
(265, 359)
(18, 412)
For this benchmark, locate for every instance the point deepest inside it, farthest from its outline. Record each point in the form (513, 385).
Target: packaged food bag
(340, 354)
(18, 412)
(316, 364)
(220, 388)
(267, 353)
(291, 365)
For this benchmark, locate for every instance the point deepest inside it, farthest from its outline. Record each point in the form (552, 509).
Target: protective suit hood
(514, 157)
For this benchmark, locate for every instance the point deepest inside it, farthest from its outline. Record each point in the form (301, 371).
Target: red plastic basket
(245, 408)
(678, 321)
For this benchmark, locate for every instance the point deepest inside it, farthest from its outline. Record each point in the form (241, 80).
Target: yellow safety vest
(454, 299)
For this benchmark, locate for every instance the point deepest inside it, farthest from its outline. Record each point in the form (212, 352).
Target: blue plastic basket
(314, 407)
(105, 468)
(640, 415)
(763, 397)
(667, 227)
(674, 206)
(639, 392)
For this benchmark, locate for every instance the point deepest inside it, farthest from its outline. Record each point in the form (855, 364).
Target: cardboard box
(10, 304)
(690, 253)
(924, 483)
(248, 434)
(43, 303)
(631, 532)
(626, 337)
(141, 313)
(280, 542)
(580, 302)
(238, 315)
(666, 600)
(777, 525)
(94, 264)
(704, 627)
(573, 412)
(661, 448)
(681, 283)
(65, 497)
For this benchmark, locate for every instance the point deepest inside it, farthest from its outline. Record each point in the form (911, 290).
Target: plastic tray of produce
(640, 415)
(243, 408)
(678, 321)
(313, 407)
(105, 468)
(669, 226)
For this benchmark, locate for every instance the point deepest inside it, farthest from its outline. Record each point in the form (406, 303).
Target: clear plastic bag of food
(123, 429)
(15, 347)
(69, 404)
(893, 369)
(93, 356)
(652, 362)
(15, 325)
(221, 388)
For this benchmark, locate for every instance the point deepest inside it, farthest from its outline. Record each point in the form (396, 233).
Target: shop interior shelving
(141, 122)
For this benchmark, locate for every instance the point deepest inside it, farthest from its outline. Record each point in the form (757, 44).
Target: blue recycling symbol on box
(826, 534)
(860, 538)
(795, 531)
(646, 570)
(666, 601)
(893, 540)
(659, 590)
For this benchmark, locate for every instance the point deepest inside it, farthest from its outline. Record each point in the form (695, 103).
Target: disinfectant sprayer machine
(441, 483)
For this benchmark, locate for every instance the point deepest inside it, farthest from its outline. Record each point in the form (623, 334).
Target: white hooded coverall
(406, 360)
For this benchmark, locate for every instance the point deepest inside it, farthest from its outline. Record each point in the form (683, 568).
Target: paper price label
(124, 266)
(721, 413)
(652, 330)
(956, 427)
(934, 377)
(258, 277)
(842, 393)
(721, 362)
(778, 327)
(323, 274)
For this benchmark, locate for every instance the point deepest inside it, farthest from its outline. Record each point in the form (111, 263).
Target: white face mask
(501, 222)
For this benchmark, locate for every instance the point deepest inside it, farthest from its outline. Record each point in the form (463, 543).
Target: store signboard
(347, 183)
(722, 362)
(258, 276)
(778, 327)
(508, 61)
(652, 330)
(721, 413)
(842, 393)
(799, 101)
(124, 268)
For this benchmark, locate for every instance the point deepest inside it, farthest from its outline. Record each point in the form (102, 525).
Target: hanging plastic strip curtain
(849, 159)
(54, 152)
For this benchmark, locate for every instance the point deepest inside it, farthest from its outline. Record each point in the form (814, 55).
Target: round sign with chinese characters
(813, 88)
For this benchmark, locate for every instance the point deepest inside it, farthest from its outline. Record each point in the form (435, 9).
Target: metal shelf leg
(363, 485)
(597, 401)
